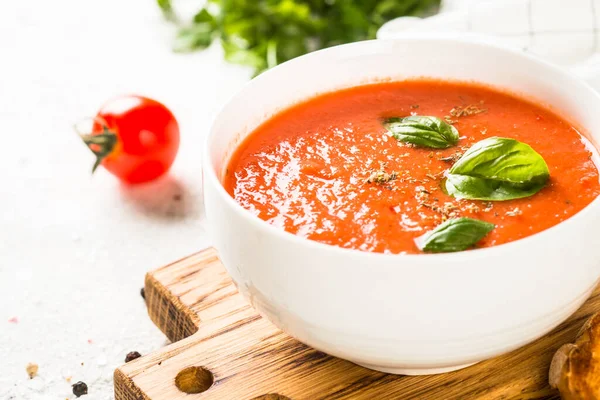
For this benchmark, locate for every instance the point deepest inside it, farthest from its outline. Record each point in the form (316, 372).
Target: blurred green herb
(264, 33)
(167, 9)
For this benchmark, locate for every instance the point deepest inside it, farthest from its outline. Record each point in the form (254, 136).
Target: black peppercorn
(143, 293)
(132, 356)
(79, 389)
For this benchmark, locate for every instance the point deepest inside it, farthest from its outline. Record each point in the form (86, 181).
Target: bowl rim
(466, 255)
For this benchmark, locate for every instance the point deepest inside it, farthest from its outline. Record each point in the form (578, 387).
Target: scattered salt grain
(101, 360)
(514, 212)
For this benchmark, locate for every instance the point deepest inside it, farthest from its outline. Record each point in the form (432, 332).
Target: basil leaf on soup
(454, 235)
(423, 131)
(497, 169)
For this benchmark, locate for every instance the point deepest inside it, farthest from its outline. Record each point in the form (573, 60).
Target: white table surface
(74, 248)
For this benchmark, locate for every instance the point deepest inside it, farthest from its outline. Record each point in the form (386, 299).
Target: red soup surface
(306, 169)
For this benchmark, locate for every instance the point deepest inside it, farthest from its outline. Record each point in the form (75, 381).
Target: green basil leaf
(497, 169)
(456, 234)
(466, 187)
(423, 131)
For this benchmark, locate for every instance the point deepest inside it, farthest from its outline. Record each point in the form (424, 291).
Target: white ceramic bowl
(408, 314)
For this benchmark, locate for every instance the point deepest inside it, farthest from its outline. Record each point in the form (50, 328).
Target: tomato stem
(101, 144)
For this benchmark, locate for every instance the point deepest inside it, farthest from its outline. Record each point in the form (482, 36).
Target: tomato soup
(310, 169)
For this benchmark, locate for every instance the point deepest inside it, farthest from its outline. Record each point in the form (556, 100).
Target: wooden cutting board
(224, 350)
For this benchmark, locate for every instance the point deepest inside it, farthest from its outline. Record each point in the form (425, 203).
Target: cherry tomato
(135, 138)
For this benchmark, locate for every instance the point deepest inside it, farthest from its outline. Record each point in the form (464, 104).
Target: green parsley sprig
(264, 33)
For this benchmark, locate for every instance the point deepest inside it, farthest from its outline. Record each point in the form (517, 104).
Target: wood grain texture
(195, 304)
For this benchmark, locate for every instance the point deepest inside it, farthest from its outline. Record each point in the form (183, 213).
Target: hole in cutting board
(271, 396)
(192, 380)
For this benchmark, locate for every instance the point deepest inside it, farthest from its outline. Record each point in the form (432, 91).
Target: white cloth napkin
(565, 32)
